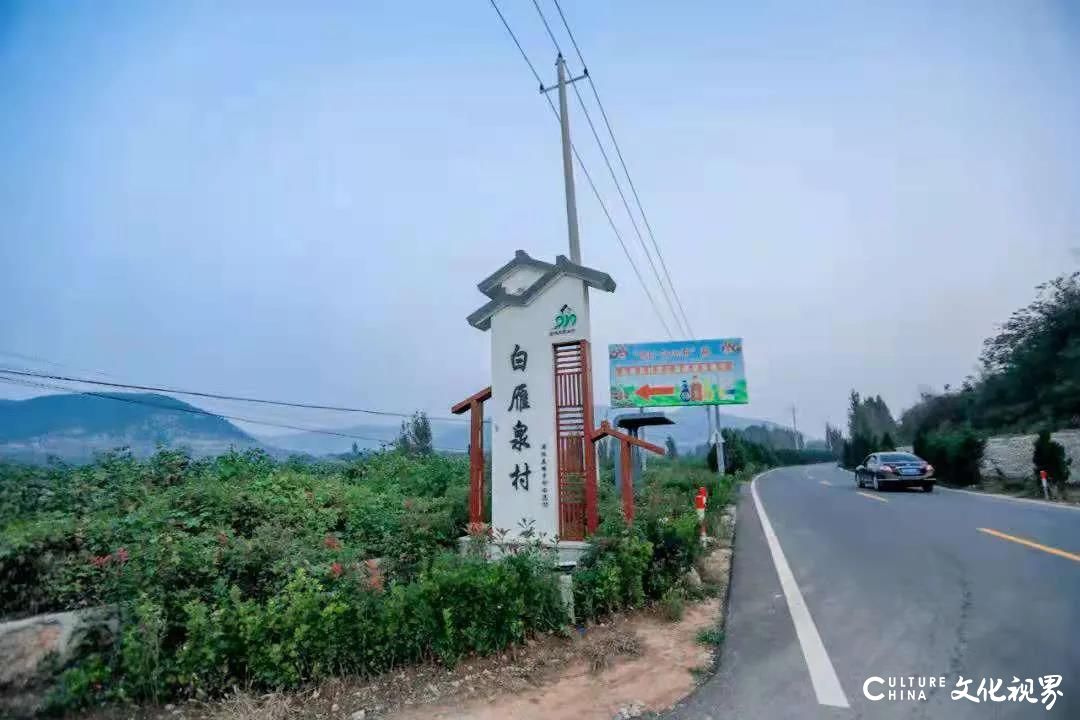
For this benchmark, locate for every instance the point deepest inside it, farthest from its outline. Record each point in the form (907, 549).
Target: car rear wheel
(928, 487)
(858, 480)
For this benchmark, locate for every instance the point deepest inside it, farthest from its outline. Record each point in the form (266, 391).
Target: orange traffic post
(700, 501)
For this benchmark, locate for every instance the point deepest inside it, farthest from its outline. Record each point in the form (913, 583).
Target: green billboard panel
(678, 373)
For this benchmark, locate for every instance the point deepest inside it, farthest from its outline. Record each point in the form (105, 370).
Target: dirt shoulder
(664, 669)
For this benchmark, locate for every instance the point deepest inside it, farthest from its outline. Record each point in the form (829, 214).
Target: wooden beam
(607, 431)
(463, 406)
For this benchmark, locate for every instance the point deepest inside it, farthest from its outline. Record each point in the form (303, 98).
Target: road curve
(894, 584)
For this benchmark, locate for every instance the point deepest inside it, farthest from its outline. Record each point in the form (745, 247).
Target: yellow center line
(872, 497)
(1031, 544)
(825, 482)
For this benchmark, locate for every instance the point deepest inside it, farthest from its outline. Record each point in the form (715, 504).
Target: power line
(585, 171)
(622, 162)
(611, 171)
(36, 359)
(218, 396)
(192, 410)
(199, 411)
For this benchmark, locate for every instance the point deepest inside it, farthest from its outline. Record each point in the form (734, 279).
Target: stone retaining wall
(32, 648)
(1008, 457)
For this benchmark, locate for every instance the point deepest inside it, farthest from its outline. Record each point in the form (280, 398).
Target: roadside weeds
(631, 665)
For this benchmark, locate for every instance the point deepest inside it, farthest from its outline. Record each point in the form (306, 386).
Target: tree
(834, 440)
(886, 442)
(869, 417)
(711, 460)
(856, 449)
(672, 448)
(1050, 456)
(1030, 374)
(415, 435)
(853, 418)
(734, 452)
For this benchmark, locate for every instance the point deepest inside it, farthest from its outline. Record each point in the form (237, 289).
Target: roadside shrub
(627, 566)
(856, 449)
(676, 545)
(786, 456)
(610, 576)
(954, 453)
(240, 571)
(175, 529)
(1050, 456)
(317, 628)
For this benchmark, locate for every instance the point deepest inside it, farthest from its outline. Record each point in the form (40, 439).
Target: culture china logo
(989, 690)
(565, 321)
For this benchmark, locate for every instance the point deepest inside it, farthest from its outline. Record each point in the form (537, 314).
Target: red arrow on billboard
(647, 391)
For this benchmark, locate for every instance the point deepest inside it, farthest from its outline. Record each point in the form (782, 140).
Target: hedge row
(317, 628)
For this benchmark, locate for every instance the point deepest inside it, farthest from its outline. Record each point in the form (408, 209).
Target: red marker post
(700, 501)
(1045, 484)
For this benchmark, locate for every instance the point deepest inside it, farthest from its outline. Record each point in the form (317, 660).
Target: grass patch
(599, 652)
(673, 604)
(711, 637)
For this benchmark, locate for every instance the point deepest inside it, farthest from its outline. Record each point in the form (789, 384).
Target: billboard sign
(678, 373)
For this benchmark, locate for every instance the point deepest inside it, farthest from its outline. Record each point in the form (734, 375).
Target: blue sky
(297, 200)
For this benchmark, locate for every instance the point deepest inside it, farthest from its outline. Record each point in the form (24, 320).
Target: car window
(898, 457)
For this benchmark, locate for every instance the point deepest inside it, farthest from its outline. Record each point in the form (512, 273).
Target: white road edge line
(1006, 498)
(822, 673)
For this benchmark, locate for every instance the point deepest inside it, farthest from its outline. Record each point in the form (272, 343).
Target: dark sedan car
(886, 470)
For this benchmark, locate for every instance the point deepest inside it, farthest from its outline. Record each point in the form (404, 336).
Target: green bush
(627, 566)
(233, 569)
(954, 453)
(1050, 456)
(610, 576)
(239, 570)
(317, 628)
(175, 529)
(856, 449)
(786, 456)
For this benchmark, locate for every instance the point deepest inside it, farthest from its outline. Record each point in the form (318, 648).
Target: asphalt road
(893, 584)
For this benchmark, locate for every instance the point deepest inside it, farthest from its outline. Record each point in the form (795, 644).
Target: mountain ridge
(75, 426)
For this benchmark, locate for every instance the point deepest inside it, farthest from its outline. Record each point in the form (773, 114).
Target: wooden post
(474, 405)
(625, 443)
(476, 463)
(592, 509)
(626, 458)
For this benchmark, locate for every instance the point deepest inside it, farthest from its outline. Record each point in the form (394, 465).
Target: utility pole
(708, 416)
(721, 463)
(795, 427)
(567, 158)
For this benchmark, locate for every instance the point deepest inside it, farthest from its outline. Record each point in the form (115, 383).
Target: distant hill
(74, 427)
